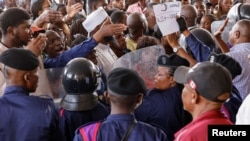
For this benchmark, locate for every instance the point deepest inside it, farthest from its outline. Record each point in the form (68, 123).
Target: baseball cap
(210, 80)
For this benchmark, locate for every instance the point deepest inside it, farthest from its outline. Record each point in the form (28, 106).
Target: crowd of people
(69, 49)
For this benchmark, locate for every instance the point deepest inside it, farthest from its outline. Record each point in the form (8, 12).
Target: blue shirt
(80, 50)
(116, 125)
(164, 109)
(71, 120)
(27, 118)
(198, 48)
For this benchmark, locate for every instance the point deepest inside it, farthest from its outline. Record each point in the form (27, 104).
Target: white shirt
(243, 115)
(106, 57)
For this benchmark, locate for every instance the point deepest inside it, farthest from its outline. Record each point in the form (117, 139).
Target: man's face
(121, 41)
(119, 4)
(205, 23)
(187, 97)
(150, 16)
(22, 33)
(200, 6)
(92, 56)
(232, 34)
(54, 44)
(10, 3)
(102, 3)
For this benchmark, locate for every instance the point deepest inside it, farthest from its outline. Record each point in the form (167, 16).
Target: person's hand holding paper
(165, 14)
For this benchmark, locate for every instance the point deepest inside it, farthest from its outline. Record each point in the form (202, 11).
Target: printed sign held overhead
(165, 14)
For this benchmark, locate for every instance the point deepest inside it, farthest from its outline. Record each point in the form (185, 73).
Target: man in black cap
(207, 86)
(125, 92)
(231, 106)
(162, 105)
(31, 118)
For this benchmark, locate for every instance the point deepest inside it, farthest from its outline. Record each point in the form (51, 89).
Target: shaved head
(190, 14)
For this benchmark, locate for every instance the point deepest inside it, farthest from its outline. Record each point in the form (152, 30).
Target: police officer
(125, 93)
(162, 105)
(80, 105)
(25, 117)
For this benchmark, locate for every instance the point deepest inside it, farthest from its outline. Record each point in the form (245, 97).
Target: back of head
(80, 77)
(136, 19)
(117, 16)
(12, 17)
(146, 41)
(243, 26)
(210, 80)
(125, 89)
(190, 14)
(19, 68)
(137, 25)
(125, 82)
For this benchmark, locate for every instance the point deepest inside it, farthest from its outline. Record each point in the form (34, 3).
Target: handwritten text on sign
(165, 14)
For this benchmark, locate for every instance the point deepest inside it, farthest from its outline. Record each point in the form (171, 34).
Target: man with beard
(15, 27)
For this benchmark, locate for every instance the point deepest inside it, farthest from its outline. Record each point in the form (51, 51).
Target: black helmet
(244, 11)
(205, 36)
(80, 76)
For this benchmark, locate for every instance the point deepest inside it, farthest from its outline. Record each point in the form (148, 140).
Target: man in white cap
(106, 56)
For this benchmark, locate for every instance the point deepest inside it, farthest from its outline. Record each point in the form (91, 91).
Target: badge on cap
(192, 84)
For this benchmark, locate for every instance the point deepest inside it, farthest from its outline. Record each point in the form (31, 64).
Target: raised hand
(108, 29)
(217, 34)
(182, 23)
(37, 45)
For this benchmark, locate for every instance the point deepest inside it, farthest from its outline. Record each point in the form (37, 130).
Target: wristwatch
(175, 49)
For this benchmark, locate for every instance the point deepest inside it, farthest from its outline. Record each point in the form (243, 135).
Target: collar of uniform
(116, 117)
(16, 90)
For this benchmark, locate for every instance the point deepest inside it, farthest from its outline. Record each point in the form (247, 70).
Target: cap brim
(36, 29)
(180, 74)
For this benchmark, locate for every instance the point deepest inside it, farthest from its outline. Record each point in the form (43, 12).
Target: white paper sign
(165, 14)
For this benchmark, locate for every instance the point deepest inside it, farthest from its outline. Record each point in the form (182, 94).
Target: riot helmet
(205, 36)
(80, 76)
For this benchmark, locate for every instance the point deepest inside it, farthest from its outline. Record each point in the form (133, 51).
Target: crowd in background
(60, 79)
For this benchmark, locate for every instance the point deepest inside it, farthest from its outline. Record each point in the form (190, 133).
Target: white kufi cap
(95, 19)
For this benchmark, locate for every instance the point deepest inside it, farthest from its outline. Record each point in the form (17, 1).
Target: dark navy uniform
(164, 109)
(71, 120)
(116, 125)
(80, 105)
(27, 118)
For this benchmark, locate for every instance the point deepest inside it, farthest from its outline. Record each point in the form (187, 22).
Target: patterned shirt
(240, 53)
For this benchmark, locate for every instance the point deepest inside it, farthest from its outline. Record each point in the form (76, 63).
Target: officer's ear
(106, 96)
(26, 77)
(139, 100)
